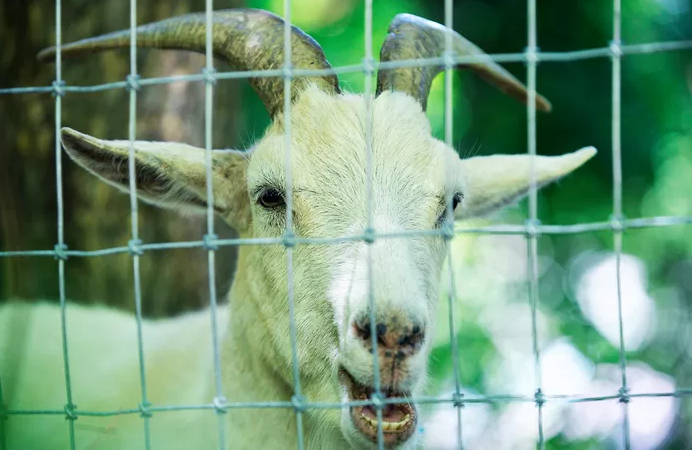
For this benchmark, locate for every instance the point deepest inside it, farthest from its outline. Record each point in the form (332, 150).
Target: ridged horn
(246, 39)
(412, 37)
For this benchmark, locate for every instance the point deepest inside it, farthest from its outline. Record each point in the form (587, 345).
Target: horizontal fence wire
(500, 229)
(568, 56)
(532, 229)
(422, 400)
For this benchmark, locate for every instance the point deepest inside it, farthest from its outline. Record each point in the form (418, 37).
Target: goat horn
(412, 37)
(246, 39)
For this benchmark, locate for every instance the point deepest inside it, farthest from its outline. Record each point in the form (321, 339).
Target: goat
(415, 179)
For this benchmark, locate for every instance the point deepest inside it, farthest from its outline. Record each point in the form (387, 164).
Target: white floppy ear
(167, 174)
(492, 182)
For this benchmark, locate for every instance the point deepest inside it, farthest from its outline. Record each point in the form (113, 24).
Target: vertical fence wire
(3, 418)
(135, 251)
(450, 224)
(532, 265)
(289, 238)
(219, 398)
(368, 66)
(617, 216)
(60, 246)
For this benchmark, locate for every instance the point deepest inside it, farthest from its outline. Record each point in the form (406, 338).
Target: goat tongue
(393, 413)
(369, 412)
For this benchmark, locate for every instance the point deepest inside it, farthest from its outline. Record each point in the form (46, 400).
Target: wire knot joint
(532, 55)
(297, 401)
(70, 413)
(368, 66)
(209, 75)
(144, 409)
(532, 228)
(377, 400)
(60, 252)
(623, 395)
(448, 230)
(134, 247)
(539, 398)
(458, 400)
(219, 405)
(449, 59)
(616, 49)
(209, 241)
(288, 72)
(289, 240)
(133, 82)
(58, 88)
(369, 235)
(617, 223)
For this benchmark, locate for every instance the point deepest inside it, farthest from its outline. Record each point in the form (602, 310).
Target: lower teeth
(387, 426)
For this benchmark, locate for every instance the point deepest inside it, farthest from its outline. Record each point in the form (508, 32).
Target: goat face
(337, 287)
(413, 175)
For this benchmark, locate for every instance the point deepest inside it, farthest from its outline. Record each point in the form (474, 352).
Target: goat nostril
(412, 341)
(363, 330)
(395, 342)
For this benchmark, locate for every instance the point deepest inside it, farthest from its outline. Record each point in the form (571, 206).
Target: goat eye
(271, 198)
(456, 201)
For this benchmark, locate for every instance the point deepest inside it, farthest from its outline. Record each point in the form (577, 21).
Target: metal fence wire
(531, 230)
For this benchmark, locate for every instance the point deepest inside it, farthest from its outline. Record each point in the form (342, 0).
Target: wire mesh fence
(532, 229)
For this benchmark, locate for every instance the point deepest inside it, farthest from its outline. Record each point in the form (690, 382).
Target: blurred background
(577, 315)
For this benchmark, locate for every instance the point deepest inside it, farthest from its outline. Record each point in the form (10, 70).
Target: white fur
(411, 171)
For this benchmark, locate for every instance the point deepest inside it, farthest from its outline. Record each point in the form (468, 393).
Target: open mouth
(398, 419)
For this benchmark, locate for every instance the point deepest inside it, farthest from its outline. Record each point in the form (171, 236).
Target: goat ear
(492, 182)
(168, 174)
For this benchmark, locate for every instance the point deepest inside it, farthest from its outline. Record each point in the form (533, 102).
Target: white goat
(414, 176)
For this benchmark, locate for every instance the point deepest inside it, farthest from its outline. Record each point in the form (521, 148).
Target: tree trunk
(96, 215)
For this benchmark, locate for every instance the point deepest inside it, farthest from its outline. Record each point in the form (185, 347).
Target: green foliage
(656, 157)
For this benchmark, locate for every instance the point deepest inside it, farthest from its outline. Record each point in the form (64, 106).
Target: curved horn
(246, 39)
(412, 37)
